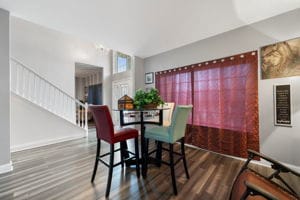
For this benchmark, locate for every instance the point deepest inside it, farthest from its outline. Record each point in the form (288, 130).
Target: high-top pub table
(142, 123)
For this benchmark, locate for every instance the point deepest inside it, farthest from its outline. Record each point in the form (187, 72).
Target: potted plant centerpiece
(143, 99)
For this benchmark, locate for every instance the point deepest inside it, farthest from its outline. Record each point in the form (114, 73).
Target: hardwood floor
(63, 171)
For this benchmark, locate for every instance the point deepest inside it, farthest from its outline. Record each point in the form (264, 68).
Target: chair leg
(172, 169)
(158, 153)
(122, 155)
(184, 159)
(124, 146)
(137, 156)
(110, 172)
(96, 160)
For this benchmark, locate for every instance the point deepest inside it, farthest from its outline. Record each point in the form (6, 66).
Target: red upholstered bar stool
(105, 131)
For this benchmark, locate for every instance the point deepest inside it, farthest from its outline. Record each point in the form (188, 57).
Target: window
(122, 62)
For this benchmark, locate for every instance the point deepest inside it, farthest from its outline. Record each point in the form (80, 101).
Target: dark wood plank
(63, 171)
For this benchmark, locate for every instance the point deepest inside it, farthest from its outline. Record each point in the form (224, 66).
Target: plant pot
(150, 106)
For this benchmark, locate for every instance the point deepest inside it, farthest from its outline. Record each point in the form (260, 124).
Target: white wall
(33, 126)
(4, 93)
(278, 142)
(51, 54)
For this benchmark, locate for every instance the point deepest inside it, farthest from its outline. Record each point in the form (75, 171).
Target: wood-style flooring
(63, 171)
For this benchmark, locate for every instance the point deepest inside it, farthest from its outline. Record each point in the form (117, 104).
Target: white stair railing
(36, 89)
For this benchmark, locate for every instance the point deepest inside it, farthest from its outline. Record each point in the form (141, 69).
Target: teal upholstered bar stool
(170, 135)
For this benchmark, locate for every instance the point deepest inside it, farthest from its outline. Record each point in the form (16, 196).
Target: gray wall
(4, 89)
(244, 39)
(279, 142)
(139, 73)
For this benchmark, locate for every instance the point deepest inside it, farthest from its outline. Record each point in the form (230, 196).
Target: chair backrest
(179, 121)
(252, 183)
(167, 114)
(103, 121)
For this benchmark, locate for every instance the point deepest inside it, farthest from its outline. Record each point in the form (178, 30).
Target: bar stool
(170, 135)
(167, 116)
(105, 131)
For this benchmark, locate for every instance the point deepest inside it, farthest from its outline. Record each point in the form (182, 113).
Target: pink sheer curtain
(224, 95)
(175, 86)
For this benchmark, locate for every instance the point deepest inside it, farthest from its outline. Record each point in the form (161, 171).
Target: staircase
(31, 86)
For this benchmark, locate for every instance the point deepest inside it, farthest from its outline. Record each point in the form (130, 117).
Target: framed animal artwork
(281, 59)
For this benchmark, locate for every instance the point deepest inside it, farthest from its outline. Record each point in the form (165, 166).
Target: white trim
(267, 164)
(6, 168)
(294, 167)
(262, 162)
(45, 142)
(43, 89)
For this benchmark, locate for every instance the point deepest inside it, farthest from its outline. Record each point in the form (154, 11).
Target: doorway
(88, 86)
(120, 88)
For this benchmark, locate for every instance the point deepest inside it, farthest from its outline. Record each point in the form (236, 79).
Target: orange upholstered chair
(252, 185)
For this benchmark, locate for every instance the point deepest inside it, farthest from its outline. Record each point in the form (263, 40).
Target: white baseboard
(44, 142)
(265, 163)
(294, 167)
(6, 168)
(262, 162)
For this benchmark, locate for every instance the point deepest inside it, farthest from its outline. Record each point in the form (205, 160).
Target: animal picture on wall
(281, 59)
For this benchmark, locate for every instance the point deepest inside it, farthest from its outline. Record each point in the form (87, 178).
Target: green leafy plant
(143, 98)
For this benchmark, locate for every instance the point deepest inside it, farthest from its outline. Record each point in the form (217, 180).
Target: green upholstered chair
(167, 114)
(170, 135)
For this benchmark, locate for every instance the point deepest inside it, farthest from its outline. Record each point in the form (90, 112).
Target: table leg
(143, 149)
(143, 145)
(143, 157)
(123, 144)
(124, 148)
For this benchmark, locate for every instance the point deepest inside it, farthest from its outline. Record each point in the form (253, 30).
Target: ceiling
(146, 27)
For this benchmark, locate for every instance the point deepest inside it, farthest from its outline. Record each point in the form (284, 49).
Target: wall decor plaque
(282, 105)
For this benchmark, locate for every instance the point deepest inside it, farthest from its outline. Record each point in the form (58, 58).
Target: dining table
(141, 117)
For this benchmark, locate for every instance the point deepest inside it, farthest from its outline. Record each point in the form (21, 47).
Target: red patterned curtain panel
(224, 93)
